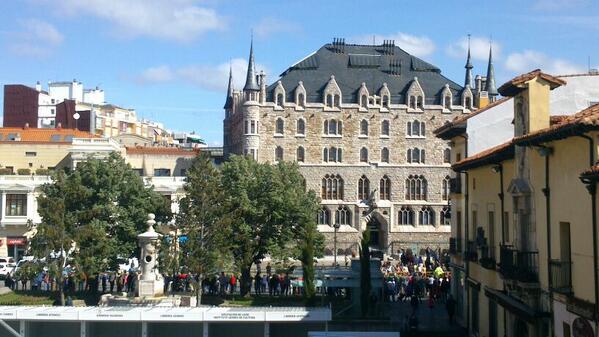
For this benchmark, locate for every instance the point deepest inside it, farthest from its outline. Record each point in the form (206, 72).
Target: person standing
(257, 283)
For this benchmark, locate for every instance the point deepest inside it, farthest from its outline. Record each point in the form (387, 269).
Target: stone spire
(250, 82)
(468, 80)
(229, 101)
(490, 87)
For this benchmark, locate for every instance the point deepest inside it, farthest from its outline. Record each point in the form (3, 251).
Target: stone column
(3, 211)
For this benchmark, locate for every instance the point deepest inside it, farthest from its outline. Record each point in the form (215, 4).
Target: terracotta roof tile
(512, 87)
(588, 117)
(460, 119)
(483, 157)
(41, 135)
(159, 150)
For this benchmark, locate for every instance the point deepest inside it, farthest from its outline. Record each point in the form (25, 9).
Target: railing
(519, 265)
(455, 246)
(487, 258)
(455, 184)
(561, 276)
(471, 253)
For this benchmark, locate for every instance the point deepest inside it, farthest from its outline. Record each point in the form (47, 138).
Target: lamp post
(336, 227)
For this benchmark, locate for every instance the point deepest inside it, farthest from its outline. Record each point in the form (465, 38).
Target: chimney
(38, 86)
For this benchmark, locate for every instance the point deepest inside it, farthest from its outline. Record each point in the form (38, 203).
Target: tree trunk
(246, 280)
(199, 290)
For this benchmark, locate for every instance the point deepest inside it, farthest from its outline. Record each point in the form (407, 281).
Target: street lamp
(76, 116)
(336, 227)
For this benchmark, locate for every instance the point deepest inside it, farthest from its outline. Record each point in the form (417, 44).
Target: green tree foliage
(200, 217)
(92, 215)
(365, 284)
(268, 211)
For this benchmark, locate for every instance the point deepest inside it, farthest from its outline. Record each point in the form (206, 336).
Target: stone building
(358, 119)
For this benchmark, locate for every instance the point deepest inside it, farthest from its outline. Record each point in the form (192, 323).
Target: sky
(169, 59)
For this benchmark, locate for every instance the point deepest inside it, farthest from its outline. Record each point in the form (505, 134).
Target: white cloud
(180, 20)
(530, 59)
(209, 77)
(479, 48)
(270, 26)
(36, 38)
(415, 45)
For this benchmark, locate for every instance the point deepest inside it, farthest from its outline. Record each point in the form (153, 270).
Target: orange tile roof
(42, 135)
(460, 119)
(513, 86)
(488, 156)
(583, 120)
(160, 150)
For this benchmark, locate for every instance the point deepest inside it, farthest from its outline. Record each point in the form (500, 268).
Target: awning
(513, 305)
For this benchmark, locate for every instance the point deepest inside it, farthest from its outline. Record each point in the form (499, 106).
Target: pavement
(4, 290)
(431, 321)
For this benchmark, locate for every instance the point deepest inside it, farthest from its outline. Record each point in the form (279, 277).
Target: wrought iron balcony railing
(561, 276)
(518, 265)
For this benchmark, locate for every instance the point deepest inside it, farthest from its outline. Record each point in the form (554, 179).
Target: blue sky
(169, 59)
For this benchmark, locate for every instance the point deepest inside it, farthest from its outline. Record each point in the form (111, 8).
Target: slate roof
(374, 65)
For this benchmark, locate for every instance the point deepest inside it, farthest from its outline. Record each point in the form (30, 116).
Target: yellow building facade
(524, 236)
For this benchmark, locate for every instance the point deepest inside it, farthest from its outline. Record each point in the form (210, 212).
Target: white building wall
(579, 93)
(93, 96)
(490, 128)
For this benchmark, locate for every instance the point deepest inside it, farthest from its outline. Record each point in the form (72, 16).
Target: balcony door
(564, 241)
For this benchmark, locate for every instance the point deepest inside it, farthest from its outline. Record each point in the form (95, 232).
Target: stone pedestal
(151, 288)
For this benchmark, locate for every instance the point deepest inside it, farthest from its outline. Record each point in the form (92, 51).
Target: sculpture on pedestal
(151, 283)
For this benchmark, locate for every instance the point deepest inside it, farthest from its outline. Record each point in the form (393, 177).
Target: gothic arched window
(385, 128)
(385, 188)
(300, 154)
(324, 216)
(343, 216)
(364, 128)
(364, 155)
(301, 127)
(406, 216)
(426, 216)
(416, 187)
(332, 187)
(363, 188)
(278, 154)
(280, 126)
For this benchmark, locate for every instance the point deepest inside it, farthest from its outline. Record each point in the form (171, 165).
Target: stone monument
(151, 282)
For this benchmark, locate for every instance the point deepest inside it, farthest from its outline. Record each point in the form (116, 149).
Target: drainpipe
(466, 226)
(592, 188)
(545, 151)
(501, 195)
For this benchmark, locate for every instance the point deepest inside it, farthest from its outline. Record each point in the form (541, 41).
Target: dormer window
(386, 102)
(364, 102)
(337, 101)
(301, 100)
(420, 102)
(412, 102)
(468, 103)
(447, 103)
(280, 100)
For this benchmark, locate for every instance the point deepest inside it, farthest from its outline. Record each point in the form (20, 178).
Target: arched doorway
(377, 227)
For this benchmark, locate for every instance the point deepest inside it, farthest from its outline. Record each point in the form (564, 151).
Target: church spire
(250, 82)
(229, 101)
(468, 80)
(490, 87)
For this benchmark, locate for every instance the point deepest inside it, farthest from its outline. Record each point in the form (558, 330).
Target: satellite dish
(76, 115)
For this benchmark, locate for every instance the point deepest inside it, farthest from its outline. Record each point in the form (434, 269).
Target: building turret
(251, 88)
(229, 100)
(490, 88)
(251, 109)
(468, 79)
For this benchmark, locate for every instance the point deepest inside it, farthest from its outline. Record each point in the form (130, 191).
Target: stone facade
(281, 124)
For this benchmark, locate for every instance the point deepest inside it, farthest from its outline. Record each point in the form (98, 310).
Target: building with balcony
(526, 208)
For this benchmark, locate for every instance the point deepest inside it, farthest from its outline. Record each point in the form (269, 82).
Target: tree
(200, 214)
(92, 215)
(365, 285)
(266, 209)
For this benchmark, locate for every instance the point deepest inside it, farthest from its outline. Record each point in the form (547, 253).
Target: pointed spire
(468, 80)
(250, 82)
(229, 101)
(491, 88)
